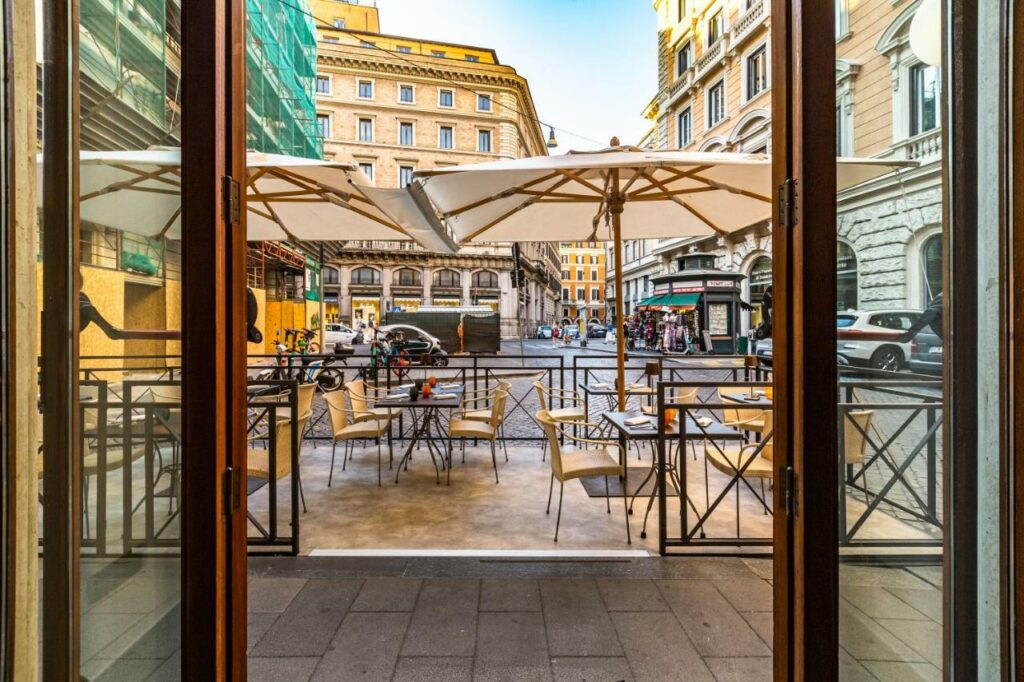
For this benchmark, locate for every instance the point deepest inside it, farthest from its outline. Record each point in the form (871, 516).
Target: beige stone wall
(873, 95)
(513, 134)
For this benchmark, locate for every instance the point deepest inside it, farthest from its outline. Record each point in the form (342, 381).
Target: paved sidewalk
(459, 619)
(330, 618)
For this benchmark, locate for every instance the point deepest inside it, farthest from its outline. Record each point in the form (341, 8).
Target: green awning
(680, 300)
(670, 300)
(653, 301)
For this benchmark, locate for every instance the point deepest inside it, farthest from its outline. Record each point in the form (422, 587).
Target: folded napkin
(638, 421)
(449, 386)
(444, 396)
(704, 421)
(406, 385)
(599, 385)
(394, 396)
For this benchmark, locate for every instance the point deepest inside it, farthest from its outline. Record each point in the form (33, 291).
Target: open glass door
(123, 259)
(891, 357)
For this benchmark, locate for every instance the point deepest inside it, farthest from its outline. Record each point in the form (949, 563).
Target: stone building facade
(886, 107)
(396, 105)
(583, 277)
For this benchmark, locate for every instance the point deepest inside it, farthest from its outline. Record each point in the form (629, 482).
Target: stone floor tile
(853, 574)
(273, 595)
(577, 621)
(120, 670)
(747, 595)
(866, 640)
(714, 626)
(293, 669)
(444, 620)
(257, 626)
(763, 624)
(930, 574)
(752, 669)
(879, 602)
(924, 637)
(511, 638)
(100, 630)
(365, 647)
(308, 625)
(388, 594)
(433, 669)
(851, 670)
(928, 601)
(762, 567)
(627, 594)
(511, 672)
(658, 649)
(509, 594)
(888, 671)
(591, 669)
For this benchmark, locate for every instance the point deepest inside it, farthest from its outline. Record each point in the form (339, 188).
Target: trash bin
(741, 345)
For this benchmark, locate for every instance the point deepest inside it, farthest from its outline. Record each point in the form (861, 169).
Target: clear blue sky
(592, 64)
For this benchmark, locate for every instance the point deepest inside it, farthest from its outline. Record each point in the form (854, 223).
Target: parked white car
(865, 339)
(868, 338)
(338, 333)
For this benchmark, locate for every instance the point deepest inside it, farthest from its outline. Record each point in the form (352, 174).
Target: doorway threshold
(488, 553)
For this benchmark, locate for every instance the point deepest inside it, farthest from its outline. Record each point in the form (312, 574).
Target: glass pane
(129, 344)
(890, 348)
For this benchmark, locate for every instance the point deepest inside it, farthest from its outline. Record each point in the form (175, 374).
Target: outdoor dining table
(692, 431)
(427, 425)
(598, 389)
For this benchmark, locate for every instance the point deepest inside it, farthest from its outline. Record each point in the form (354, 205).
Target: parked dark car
(926, 354)
(597, 331)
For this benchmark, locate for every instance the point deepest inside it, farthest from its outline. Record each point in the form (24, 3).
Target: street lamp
(552, 142)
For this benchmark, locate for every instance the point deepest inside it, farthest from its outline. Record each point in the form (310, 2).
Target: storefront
(706, 301)
(365, 309)
(407, 303)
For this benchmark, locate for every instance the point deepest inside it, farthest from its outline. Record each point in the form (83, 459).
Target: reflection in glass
(888, 268)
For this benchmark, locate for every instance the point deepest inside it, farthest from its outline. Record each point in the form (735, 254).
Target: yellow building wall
(105, 288)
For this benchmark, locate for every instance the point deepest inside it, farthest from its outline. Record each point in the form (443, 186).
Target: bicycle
(302, 340)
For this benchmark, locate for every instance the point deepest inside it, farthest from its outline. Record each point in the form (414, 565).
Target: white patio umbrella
(288, 198)
(614, 194)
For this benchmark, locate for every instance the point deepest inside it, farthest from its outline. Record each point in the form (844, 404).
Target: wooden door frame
(60, 585)
(213, 298)
(804, 366)
(213, 346)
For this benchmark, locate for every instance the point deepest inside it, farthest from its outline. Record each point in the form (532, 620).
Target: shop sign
(721, 284)
(687, 290)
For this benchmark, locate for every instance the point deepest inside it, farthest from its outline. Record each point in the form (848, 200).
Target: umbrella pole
(615, 202)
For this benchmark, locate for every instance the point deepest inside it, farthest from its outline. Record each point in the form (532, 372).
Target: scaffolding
(281, 61)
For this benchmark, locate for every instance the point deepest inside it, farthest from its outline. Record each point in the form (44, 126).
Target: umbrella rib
(586, 183)
(132, 183)
(682, 203)
(733, 190)
(500, 195)
(625, 188)
(518, 207)
(678, 175)
(157, 174)
(700, 217)
(174, 216)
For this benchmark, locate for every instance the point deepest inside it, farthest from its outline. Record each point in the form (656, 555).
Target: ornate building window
(684, 130)
(846, 277)
(366, 275)
(931, 268)
(447, 278)
(407, 277)
(485, 279)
